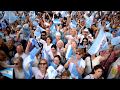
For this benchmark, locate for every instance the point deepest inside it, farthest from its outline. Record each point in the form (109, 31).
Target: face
(48, 40)
(78, 55)
(43, 36)
(110, 47)
(85, 41)
(73, 32)
(53, 50)
(17, 63)
(43, 65)
(19, 49)
(10, 44)
(59, 44)
(58, 37)
(56, 60)
(73, 44)
(98, 72)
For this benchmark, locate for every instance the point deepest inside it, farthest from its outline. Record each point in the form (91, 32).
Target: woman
(85, 44)
(65, 75)
(40, 72)
(76, 64)
(96, 73)
(48, 44)
(57, 66)
(92, 61)
(18, 69)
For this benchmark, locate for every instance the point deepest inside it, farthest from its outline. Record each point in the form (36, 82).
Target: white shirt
(19, 75)
(37, 73)
(90, 76)
(51, 54)
(23, 55)
(81, 65)
(95, 62)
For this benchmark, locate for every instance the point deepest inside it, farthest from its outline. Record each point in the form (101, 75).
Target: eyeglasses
(43, 63)
(15, 63)
(78, 54)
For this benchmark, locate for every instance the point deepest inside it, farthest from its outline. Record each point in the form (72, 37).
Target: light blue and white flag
(115, 40)
(12, 17)
(69, 52)
(8, 72)
(27, 67)
(32, 15)
(73, 24)
(56, 21)
(34, 51)
(98, 43)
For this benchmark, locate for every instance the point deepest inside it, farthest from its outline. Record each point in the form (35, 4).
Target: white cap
(86, 30)
(25, 26)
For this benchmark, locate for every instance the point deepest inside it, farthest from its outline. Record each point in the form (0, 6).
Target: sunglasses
(43, 63)
(15, 63)
(78, 54)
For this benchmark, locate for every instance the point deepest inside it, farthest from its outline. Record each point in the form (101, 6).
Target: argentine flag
(69, 52)
(8, 72)
(99, 42)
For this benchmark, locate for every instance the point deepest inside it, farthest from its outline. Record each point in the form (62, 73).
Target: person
(110, 59)
(53, 52)
(49, 44)
(43, 35)
(57, 38)
(11, 48)
(85, 44)
(20, 52)
(61, 49)
(93, 60)
(56, 65)
(76, 65)
(40, 72)
(18, 71)
(65, 75)
(96, 73)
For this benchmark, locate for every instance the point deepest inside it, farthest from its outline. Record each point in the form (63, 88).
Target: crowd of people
(55, 44)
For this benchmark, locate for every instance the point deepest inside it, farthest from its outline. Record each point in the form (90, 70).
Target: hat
(85, 30)
(25, 26)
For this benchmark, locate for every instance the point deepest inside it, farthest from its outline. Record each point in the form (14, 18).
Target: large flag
(99, 43)
(27, 63)
(69, 52)
(115, 40)
(8, 72)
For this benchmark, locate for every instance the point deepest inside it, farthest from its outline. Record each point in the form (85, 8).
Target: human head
(49, 39)
(57, 59)
(43, 35)
(85, 41)
(19, 49)
(73, 32)
(73, 44)
(18, 62)
(2, 56)
(43, 65)
(60, 44)
(65, 75)
(98, 71)
(79, 53)
(53, 48)
(58, 36)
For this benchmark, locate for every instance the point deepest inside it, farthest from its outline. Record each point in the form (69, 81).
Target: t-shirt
(94, 63)
(19, 74)
(90, 76)
(23, 55)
